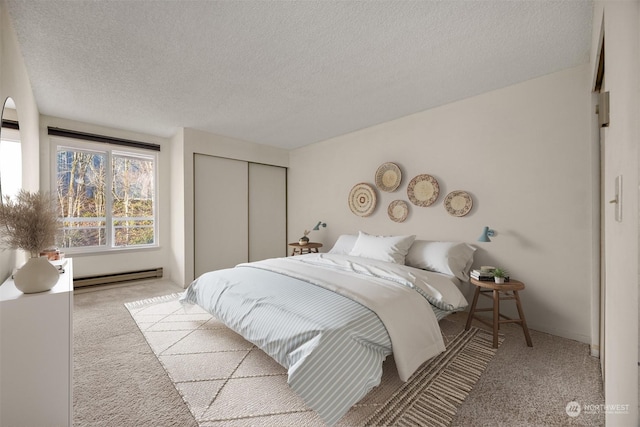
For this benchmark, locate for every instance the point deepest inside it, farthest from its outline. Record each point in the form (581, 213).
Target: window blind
(10, 124)
(101, 138)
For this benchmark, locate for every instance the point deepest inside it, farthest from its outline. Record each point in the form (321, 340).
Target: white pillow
(454, 258)
(344, 244)
(383, 248)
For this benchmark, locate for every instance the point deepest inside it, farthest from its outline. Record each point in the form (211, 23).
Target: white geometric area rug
(227, 381)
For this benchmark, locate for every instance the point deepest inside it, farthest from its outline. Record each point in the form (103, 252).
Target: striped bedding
(331, 320)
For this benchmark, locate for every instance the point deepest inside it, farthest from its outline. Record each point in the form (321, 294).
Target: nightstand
(309, 248)
(496, 292)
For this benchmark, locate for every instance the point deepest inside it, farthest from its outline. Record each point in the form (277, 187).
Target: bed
(332, 318)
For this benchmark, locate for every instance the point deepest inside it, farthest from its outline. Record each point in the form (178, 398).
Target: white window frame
(109, 149)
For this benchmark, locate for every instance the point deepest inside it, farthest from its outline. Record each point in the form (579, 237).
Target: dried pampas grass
(29, 223)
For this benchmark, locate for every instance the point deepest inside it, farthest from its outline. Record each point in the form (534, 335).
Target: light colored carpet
(118, 381)
(226, 380)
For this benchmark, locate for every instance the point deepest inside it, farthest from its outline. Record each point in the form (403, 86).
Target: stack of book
(482, 275)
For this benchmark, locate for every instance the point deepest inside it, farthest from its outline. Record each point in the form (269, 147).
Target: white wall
(523, 152)
(622, 68)
(179, 231)
(14, 83)
(128, 259)
(185, 144)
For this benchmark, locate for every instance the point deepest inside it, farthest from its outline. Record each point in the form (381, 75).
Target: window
(10, 162)
(106, 195)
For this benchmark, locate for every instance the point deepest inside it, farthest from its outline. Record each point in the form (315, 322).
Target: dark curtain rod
(100, 138)
(10, 124)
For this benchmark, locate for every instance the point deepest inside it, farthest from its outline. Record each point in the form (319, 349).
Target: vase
(499, 280)
(37, 275)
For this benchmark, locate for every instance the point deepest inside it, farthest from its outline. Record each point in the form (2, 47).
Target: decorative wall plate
(398, 210)
(458, 203)
(362, 199)
(423, 190)
(388, 177)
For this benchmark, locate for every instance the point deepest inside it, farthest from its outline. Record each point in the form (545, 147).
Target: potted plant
(499, 274)
(304, 239)
(30, 223)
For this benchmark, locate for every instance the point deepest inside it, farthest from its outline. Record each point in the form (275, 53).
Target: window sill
(75, 253)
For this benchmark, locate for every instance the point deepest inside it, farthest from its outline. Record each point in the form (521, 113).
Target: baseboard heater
(114, 278)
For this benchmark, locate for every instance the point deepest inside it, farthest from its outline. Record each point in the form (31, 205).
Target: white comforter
(332, 343)
(409, 320)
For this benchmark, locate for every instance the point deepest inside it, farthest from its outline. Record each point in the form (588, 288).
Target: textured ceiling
(284, 73)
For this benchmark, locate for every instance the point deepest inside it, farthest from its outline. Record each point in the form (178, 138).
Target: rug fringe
(154, 300)
(433, 402)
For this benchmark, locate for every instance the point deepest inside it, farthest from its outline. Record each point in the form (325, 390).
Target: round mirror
(10, 151)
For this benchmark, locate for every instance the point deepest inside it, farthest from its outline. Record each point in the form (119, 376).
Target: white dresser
(36, 354)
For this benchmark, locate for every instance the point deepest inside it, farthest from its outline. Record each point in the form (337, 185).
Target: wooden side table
(309, 248)
(509, 291)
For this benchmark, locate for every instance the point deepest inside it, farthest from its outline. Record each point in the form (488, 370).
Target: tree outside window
(106, 198)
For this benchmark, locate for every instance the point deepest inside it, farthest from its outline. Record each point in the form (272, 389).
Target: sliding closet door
(267, 211)
(221, 233)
